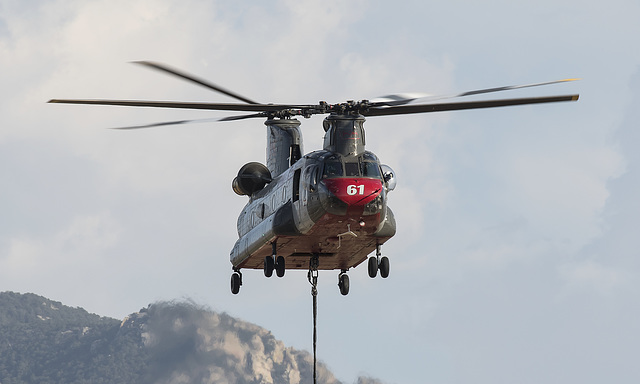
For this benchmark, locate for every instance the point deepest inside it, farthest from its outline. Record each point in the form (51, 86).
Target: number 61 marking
(355, 190)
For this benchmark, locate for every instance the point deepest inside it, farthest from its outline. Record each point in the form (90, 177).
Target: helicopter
(327, 209)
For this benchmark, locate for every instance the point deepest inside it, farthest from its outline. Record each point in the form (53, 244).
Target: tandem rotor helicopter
(325, 210)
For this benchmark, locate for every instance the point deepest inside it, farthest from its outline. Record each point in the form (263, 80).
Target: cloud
(81, 244)
(592, 277)
(608, 264)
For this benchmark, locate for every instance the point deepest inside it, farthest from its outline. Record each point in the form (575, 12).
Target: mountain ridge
(44, 341)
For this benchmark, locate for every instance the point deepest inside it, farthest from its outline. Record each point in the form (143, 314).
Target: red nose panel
(354, 191)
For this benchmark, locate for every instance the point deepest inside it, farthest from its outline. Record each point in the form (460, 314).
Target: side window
(313, 178)
(296, 185)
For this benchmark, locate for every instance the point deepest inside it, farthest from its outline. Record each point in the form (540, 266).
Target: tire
(268, 266)
(344, 284)
(384, 267)
(373, 267)
(280, 266)
(235, 283)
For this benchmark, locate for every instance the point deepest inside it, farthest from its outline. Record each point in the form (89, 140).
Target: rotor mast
(344, 134)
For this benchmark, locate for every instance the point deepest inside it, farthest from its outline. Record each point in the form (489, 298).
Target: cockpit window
(332, 169)
(369, 169)
(366, 166)
(368, 156)
(351, 169)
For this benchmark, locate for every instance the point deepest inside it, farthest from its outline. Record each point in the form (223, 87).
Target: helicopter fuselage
(326, 204)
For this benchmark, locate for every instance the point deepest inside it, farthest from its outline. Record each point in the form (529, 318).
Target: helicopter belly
(341, 242)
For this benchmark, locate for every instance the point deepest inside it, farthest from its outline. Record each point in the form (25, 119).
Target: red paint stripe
(356, 192)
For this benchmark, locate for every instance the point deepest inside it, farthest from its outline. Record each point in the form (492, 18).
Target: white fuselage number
(355, 190)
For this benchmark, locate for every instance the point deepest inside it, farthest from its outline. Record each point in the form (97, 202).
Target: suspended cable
(313, 279)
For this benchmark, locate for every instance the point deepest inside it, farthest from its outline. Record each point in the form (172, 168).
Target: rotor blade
(194, 121)
(166, 123)
(440, 107)
(397, 99)
(499, 89)
(406, 98)
(204, 83)
(242, 117)
(185, 105)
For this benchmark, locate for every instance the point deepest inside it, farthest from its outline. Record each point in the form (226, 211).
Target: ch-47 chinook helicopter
(325, 210)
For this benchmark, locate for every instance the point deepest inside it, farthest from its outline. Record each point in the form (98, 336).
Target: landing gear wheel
(384, 267)
(268, 266)
(373, 267)
(236, 282)
(343, 284)
(280, 266)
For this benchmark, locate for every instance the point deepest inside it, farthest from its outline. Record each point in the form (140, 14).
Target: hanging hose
(313, 279)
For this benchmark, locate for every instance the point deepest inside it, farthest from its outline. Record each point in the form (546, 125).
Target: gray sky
(516, 258)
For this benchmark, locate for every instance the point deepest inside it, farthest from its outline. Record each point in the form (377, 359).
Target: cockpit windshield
(351, 169)
(369, 169)
(365, 166)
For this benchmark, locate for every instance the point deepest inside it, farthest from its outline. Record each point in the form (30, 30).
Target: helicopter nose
(355, 192)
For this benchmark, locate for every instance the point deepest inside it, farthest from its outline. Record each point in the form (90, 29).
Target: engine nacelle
(252, 177)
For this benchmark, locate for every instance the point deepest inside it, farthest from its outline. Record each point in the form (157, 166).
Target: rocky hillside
(43, 341)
